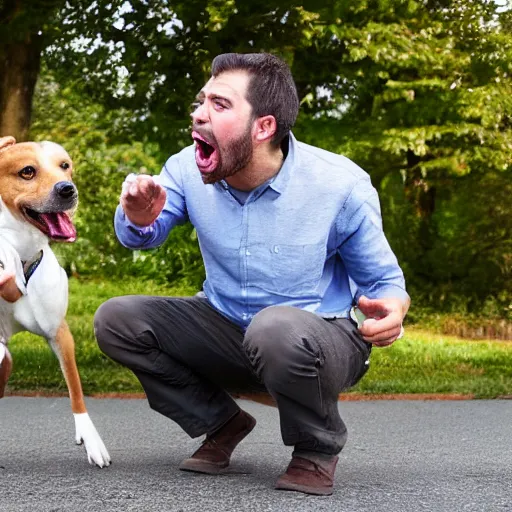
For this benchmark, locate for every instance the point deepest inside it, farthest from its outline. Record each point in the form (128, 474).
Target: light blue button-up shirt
(311, 237)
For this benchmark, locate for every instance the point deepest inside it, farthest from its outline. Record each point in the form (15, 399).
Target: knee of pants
(272, 337)
(108, 320)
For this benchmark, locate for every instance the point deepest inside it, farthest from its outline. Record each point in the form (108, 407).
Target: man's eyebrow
(214, 96)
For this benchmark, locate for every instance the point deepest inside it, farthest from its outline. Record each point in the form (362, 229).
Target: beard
(233, 158)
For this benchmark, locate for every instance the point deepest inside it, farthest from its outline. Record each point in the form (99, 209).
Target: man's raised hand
(142, 200)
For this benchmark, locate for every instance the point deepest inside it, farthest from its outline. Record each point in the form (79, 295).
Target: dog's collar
(29, 267)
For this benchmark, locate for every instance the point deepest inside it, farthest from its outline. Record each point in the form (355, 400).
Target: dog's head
(36, 186)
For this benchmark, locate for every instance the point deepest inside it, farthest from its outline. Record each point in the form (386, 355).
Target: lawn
(421, 362)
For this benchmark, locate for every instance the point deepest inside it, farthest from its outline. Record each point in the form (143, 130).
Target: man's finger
(146, 187)
(373, 326)
(383, 343)
(372, 307)
(383, 335)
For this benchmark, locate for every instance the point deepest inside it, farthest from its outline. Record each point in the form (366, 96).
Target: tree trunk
(422, 195)
(20, 64)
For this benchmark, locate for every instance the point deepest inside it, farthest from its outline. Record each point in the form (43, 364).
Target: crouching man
(291, 238)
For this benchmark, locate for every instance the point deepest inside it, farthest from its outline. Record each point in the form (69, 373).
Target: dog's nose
(65, 189)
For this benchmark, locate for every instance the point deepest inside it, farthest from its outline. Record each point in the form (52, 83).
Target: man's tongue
(59, 226)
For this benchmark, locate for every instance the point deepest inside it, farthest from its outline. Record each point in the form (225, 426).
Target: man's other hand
(142, 200)
(8, 289)
(383, 324)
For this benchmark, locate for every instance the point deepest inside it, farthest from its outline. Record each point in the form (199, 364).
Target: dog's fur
(37, 200)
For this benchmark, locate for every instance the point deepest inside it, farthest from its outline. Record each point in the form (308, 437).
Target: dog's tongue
(59, 226)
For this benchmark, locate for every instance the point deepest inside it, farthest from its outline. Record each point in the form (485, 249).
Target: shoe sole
(289, 486)
(201, 466)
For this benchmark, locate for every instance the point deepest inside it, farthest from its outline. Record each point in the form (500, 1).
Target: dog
(37, 201)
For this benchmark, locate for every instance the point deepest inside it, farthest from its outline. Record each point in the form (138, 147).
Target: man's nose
(200, 115)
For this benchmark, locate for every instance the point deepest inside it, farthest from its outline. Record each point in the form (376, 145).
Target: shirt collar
(283, 176)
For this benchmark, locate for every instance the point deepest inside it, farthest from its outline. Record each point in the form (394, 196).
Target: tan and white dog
(37, 200)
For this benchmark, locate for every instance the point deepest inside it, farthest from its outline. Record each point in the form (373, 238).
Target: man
(291, 239)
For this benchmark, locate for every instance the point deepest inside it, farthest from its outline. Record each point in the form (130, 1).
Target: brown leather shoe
(314, 475)
(214, 454)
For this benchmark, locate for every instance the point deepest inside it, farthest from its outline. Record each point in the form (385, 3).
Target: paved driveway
(401, 456)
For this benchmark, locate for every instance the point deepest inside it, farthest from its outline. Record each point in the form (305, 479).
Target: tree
(25, 30)
(148, 57)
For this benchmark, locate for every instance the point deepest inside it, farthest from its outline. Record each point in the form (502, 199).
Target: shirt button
(276, 248)
(244, 293)
(244, 316)
(247, 252)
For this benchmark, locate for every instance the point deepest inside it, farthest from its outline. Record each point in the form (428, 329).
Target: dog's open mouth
(55, 225)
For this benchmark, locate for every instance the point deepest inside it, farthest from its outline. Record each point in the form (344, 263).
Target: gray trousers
(187, 357)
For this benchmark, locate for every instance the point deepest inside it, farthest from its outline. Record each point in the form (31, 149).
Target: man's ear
(265, 128)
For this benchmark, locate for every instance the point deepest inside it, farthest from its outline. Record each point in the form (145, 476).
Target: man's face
(222, 126)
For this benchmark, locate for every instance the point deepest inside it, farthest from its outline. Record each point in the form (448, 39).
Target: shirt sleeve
(364, 249)
(174, 212)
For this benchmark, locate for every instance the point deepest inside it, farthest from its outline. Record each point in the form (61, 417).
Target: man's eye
(195, 105)
(27, 173)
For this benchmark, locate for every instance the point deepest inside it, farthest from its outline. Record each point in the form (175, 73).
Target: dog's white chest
(43, 306)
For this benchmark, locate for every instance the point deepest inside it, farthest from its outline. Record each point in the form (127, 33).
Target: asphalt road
(401, 456)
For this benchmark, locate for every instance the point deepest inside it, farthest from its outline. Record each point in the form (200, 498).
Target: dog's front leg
(86, 433)
(5, 366)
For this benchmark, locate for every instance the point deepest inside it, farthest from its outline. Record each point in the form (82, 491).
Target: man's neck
(260, 169)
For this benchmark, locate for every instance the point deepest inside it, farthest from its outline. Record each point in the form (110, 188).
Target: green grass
(422, 362)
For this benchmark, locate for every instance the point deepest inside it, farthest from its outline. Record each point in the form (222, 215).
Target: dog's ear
(6, 142)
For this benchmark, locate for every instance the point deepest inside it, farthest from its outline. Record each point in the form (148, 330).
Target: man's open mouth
(55, 225)
(207, 155)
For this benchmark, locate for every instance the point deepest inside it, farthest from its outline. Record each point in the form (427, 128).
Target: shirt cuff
(139, 230)
(387, 291)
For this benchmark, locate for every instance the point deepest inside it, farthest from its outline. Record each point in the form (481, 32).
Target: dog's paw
(87, 435)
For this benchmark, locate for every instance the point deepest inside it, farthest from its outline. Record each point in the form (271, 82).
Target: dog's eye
(65, 166)
(27, 173)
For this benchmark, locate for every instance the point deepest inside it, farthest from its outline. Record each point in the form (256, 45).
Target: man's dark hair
(271, 89)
